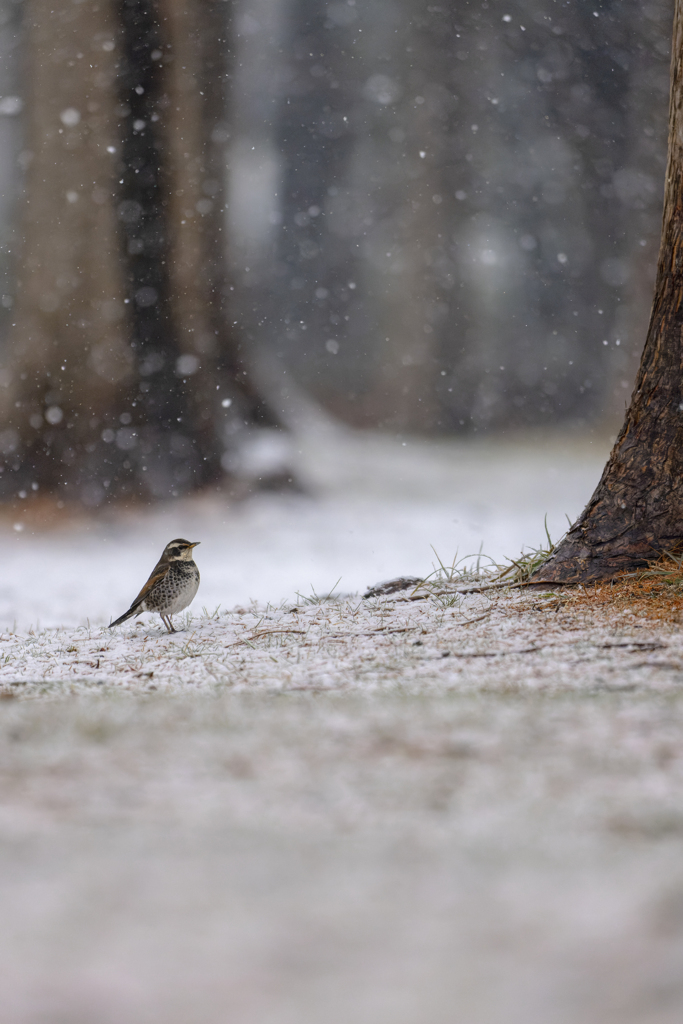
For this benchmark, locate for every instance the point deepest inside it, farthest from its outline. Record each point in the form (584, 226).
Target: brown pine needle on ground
(654, 593)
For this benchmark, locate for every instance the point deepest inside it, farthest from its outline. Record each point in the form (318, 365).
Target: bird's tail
(126, 615)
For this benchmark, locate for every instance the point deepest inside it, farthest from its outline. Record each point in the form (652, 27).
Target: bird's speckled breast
(175, 591)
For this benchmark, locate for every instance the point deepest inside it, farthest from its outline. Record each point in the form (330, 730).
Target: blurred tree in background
(465, 202)
(124, 374)
(432, 217)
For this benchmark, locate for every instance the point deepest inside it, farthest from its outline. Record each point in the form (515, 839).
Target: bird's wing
(158, 573)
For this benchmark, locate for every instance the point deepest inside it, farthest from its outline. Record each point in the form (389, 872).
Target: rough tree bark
(636, 511)
(123, 375)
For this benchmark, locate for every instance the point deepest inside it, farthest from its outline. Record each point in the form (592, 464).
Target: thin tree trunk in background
(637, 509)
(151, 441)
(397, 274)
(173, 86)
(194, 139)
(69, 352)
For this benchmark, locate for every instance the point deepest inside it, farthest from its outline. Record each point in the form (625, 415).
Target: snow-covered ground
(374, 508)
(453, 810)
(385, 812)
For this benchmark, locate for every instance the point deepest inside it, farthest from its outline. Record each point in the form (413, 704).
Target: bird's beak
(195, 543)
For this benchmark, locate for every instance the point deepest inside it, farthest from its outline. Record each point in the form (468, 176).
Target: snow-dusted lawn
(353, 811)
(491, 641)
(374, 508)
(340, 812)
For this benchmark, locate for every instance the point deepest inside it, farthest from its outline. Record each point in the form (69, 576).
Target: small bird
(171, 587)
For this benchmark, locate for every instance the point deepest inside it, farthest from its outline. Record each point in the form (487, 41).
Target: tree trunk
(636, 511)
(123, 376)
(69, 354)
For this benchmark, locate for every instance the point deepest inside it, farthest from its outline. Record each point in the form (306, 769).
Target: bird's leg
(171, 627)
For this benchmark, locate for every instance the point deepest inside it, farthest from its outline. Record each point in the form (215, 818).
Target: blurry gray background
(450, 214)
(440, 218)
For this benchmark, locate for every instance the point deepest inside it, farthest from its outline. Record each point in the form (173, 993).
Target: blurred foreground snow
(457, 810)
(353, 812)
(374, 507)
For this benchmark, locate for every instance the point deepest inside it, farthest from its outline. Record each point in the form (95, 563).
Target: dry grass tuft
(520, 570)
